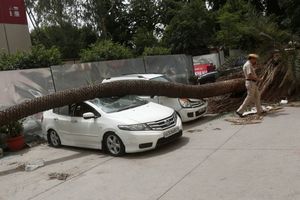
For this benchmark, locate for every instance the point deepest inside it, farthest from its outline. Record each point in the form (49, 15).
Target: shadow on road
(80, 153)
(165, 149)
(277, 114)
(203, 120)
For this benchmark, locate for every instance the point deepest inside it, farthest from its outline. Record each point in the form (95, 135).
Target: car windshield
(161, 78)
(117, 104)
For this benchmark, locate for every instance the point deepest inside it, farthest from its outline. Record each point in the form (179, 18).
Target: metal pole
(54, 86)
(144, 62)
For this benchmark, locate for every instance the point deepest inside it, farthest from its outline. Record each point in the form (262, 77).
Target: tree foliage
(184, 26)
(152, 51)
(234, 28)
(67, 38)
(292, 11)
(37, 58)
(105, 50)
(142, 39)
(243, 27)
(190, 30)
(53, 12)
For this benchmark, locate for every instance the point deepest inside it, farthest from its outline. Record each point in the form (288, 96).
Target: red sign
(200, 69)
(12, 12)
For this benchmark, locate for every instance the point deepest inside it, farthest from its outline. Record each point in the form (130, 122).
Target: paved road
(215, 160)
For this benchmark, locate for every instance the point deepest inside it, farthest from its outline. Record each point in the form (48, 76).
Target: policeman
(253, 94)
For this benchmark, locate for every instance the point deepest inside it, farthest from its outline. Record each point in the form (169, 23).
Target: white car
(117, 125)
(187, 109)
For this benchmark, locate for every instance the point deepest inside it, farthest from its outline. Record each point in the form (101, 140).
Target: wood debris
(58, 176)
(251, 119)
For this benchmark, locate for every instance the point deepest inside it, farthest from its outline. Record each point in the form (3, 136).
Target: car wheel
(54, 139)
(114, 145)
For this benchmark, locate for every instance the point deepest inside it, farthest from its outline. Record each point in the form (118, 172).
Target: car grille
(195, 104)
(163, 124)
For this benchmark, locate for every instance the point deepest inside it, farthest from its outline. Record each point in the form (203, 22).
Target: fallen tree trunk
(118, 88)
(280, 76)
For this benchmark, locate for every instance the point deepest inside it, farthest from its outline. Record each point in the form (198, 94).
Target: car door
(85, 132)
(61, 122)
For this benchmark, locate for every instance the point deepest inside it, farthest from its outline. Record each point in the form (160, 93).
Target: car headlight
(175, 117)
(185, 103)
(135, 127)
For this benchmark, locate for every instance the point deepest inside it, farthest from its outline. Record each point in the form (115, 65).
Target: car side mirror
(89, 115)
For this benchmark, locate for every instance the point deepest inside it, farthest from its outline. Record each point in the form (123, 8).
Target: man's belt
(251, 80)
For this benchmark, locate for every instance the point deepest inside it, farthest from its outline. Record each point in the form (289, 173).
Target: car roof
(133, 77)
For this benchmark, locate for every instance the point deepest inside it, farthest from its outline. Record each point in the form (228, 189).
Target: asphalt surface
(214, 160)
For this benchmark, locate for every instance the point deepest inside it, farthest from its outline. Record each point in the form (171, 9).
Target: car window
(161, 78)
(77, 110)
(62, 110)
(117, 104)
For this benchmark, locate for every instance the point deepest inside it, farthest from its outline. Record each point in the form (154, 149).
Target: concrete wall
(17, 37)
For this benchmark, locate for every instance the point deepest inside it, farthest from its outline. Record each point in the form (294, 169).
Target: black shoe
(239, 114)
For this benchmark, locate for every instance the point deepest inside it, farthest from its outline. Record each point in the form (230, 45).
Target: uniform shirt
(248, 69)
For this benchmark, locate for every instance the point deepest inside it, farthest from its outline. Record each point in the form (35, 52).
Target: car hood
(142, 114)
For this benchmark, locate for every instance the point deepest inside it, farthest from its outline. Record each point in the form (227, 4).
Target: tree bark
(118, 88)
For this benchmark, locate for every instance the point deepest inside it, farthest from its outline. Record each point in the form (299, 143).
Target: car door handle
(74, 121)
(55, 119)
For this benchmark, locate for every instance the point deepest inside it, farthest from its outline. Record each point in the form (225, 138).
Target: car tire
(53, 139)
(113, 145)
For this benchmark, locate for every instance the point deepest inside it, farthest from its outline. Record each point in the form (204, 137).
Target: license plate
(170, 132)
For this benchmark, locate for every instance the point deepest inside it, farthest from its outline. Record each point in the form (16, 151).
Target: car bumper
(148, 140)
(190, 114)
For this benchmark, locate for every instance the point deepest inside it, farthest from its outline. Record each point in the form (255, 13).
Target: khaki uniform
(253, 94)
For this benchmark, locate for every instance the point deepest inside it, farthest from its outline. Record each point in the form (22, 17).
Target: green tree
(105, 50)
(38, 57)
(153, 51)
(216, 4)
(168, 9)
(143, 38)
(68, 38)
(234, 25)
(292, 10)
(243, 27)
(53, 12)
(143, 14)
(107, 17)
(191, 30)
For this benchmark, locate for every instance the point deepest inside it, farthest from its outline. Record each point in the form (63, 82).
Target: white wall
(18, 37)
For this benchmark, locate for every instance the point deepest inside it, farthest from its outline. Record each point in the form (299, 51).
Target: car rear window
(161, 79)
